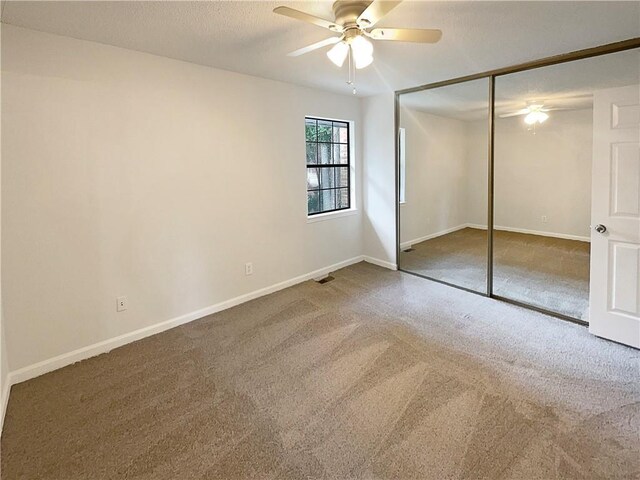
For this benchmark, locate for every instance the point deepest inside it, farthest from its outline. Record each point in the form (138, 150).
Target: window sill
(331, 215)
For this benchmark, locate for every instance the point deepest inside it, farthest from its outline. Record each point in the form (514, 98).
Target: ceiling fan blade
(314, 46)
(556, 109)
(524, 111)
(406, 35)
(375, 11)
(305, 17)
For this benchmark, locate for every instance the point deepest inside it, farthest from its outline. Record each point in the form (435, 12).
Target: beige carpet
(376, 374)
(552, 273)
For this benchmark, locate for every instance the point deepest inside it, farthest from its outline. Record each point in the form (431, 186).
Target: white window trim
(320, 217)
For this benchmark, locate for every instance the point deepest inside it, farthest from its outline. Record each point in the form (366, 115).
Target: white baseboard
(380, 263)
(477, 225)
(532, 232)
(40, 368)
(409, 243)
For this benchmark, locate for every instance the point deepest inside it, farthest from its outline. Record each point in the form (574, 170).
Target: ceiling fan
(354, 21)
(535, 112)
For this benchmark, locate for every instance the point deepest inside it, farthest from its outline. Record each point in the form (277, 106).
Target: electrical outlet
(544, 219)
(121, 304)
(248, 268)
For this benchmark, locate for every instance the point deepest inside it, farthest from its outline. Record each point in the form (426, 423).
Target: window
(328, 165)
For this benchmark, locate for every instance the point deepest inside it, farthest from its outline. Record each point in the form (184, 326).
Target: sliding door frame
(490, 181)
(491, 75)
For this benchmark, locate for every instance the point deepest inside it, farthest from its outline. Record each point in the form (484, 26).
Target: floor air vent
(326, 279)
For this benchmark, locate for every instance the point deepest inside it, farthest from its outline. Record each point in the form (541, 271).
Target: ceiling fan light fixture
(535, 117)
(338, 53)
(362, 51)
(354, 21)
(362, 62)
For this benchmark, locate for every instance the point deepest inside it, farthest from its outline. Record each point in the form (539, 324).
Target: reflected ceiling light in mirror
(534, 113)
(535, 116)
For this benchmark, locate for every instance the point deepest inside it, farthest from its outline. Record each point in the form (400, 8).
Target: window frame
(333, 166)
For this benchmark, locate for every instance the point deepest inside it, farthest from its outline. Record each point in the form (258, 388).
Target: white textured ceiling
(246, 37)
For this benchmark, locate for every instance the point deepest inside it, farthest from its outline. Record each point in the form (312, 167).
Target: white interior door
(615, 252)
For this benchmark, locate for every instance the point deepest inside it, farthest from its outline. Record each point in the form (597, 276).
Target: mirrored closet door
(524, 185)
(546, 123)
(443, 149)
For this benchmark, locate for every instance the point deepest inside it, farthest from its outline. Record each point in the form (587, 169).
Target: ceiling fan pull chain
(352, 72)
(354, 78)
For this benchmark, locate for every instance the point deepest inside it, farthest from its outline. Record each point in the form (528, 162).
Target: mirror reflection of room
(543, 156)
(443, 149)
(544, 150)
(548, 126)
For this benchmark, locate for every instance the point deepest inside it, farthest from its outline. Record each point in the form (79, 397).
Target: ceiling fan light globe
(338, 53)
(364, 61)
(362, 50)
(361, 47)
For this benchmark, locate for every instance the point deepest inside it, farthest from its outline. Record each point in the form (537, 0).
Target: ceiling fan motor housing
(347, 12)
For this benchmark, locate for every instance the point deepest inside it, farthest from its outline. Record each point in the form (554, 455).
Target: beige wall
(548, 174)
(379, 224)
(436, 187)
(476, 156)
(130, 174)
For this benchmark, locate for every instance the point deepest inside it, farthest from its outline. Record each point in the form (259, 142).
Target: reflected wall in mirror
(443, 150)
(545, 126)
